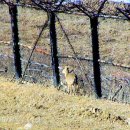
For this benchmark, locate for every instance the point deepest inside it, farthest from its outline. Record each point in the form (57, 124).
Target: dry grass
(48, 108)
(113, 34)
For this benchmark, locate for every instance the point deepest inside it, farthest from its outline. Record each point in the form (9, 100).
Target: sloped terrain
(46, 108)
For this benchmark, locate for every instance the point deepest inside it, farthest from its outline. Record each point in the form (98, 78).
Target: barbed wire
(34, 46)
(72, 48)
(78, 11)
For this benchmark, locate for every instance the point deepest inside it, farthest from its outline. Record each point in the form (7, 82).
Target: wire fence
(114, 54)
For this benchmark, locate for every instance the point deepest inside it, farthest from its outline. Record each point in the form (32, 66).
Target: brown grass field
(46, 108)
(113, 34)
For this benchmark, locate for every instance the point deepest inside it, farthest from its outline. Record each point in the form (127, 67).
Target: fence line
(72, 13)
(44, 73)
(23, 60)
(47, 66)
(100, 61)
(69, 57)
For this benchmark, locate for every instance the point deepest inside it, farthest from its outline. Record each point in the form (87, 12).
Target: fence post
(15, 37)
(54, 57)
(96, 56)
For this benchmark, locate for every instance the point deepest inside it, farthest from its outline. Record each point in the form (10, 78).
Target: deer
(71, 80)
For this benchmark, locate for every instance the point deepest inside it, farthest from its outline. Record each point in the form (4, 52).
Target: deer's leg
(70, 89)
(73, 89)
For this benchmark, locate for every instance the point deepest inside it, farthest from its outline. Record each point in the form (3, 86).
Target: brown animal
(71, 80)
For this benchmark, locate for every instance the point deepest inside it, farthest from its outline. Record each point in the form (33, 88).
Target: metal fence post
(54, 57)
(15, 37)
(96, 56)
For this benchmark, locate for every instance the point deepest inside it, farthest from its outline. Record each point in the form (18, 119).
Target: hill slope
(48, 108)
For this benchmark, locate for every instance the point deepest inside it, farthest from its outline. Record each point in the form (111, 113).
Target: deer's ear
(67, 69)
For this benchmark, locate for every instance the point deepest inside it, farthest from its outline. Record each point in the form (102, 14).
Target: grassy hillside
(47, 108)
